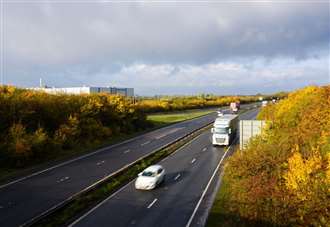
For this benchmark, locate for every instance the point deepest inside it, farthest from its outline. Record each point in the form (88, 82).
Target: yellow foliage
(283, 177)
(298, 178)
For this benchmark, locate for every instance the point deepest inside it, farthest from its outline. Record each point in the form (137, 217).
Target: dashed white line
(100, 163)
(145, 143)
(125, 152)
(205, 148)
(206, 188)
(63, 179)
(192, 161)
(152, 203)
(177, 176)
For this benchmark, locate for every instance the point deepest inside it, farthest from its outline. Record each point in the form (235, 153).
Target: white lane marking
(145, 143)
(71, 161)
(152, 203)
(205, 190)
(168, 133)
(177, 176)
(192, 161)
(205, 148)
(181, 148)
(125, 152)
(63, 179)
(98, 205)
(100, 163)
(89, 154)
(114, 194)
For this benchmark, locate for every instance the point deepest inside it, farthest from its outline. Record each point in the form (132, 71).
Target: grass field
(168, 118)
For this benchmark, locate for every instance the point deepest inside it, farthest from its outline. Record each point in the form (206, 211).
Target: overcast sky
(168, 47)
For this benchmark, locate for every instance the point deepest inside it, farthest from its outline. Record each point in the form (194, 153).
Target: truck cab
(224, 129)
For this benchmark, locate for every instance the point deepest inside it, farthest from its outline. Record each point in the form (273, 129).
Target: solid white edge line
(119, 190)
(98, 151)
(205, 190)
(95, 152)
(112, 195)
(152, 203)
(98, 205)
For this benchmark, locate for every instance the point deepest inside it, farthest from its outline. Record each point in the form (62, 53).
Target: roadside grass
(158, 120)
(220, 216)
(88, 199)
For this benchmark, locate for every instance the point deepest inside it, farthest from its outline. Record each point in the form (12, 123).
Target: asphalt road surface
(27, 197)
(189, 171)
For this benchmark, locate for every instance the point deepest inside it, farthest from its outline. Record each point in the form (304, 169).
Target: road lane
(188, 173)
(28, 197)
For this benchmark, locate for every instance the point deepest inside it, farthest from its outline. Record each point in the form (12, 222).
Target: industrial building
(86, 90)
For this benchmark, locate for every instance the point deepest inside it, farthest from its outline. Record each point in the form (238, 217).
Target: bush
(35, 125)
(283, 176)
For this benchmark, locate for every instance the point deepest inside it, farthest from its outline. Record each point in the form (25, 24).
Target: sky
(167, 47)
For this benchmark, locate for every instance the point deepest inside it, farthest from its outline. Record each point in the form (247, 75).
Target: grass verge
(220, 216)
(168, 118)
(84, 201)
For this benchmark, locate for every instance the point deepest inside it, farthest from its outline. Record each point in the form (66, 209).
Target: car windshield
(221, 130)
(148, 174)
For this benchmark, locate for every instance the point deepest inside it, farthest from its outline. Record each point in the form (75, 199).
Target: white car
(149, 178)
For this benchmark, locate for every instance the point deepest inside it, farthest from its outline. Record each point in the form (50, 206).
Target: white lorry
(224, 129)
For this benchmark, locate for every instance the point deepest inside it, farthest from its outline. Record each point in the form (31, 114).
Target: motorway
(27, 197)
(174, 203)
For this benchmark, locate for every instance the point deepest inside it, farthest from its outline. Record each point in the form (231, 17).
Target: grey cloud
(168, 47)
(163, 32)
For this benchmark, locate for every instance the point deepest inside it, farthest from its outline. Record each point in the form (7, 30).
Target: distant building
(86, 90)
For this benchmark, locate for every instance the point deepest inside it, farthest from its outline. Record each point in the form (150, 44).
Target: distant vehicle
(264, 103)
(219, 113)
(234, 106)
(149, 178)
(224, 129)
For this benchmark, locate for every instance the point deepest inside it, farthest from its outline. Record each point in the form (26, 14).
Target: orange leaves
(18, 141)
(284, 177)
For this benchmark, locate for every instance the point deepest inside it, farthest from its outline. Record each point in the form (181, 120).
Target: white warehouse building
(86, 90)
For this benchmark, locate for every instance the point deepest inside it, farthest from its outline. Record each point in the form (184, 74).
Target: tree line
(36, 126)
(176, 103)
(283, 176)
